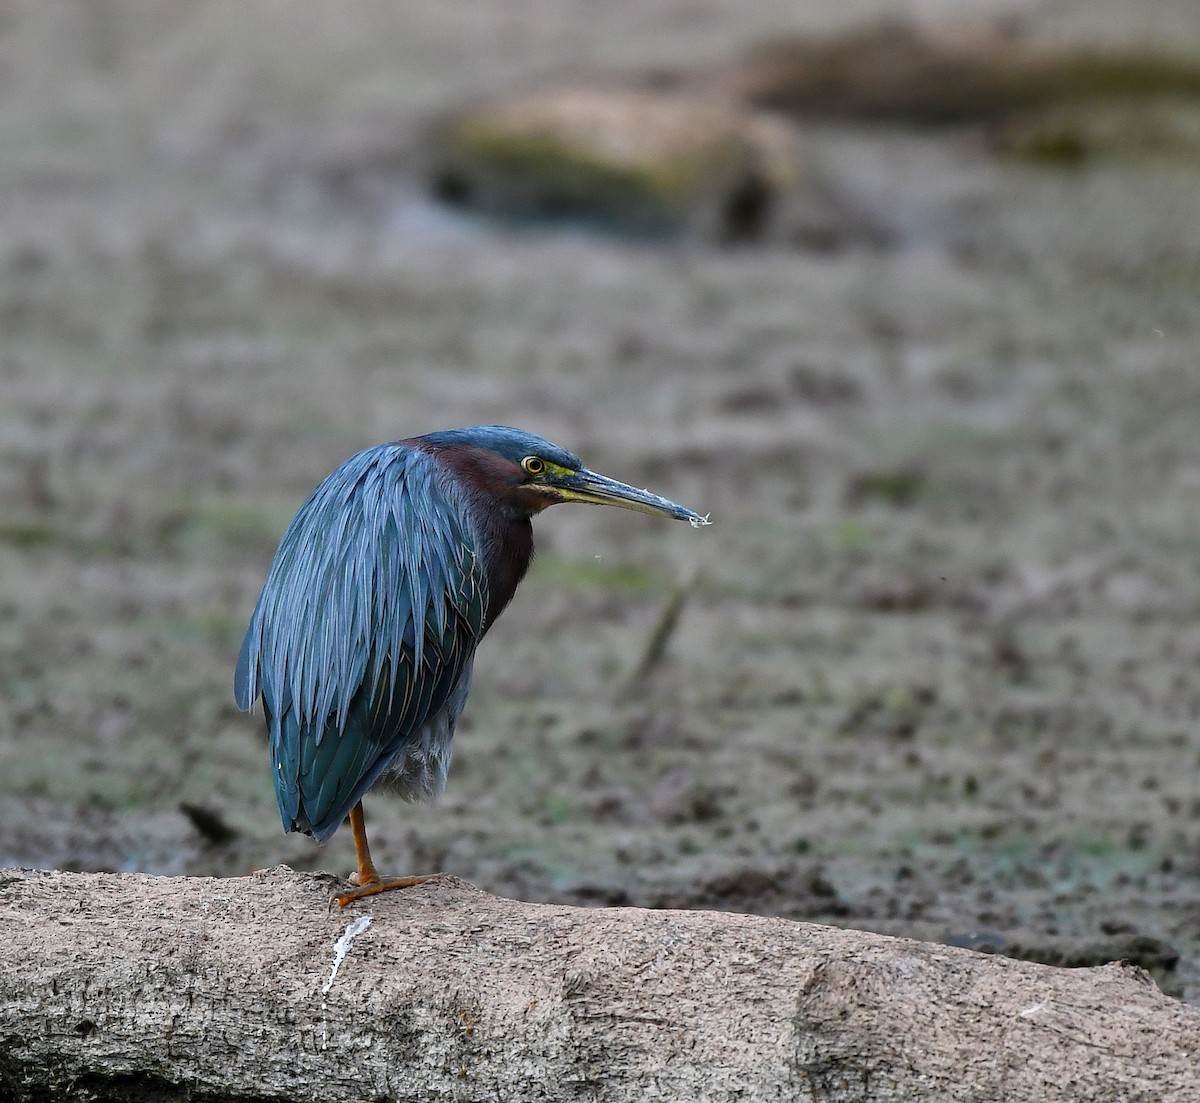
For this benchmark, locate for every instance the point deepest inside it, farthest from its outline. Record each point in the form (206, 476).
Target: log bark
(136, 988)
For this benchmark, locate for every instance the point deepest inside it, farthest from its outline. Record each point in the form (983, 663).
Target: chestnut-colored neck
(491, 487)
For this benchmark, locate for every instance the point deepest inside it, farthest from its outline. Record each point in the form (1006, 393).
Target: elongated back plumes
(371, 609)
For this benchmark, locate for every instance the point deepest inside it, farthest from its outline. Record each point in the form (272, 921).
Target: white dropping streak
(342, 947)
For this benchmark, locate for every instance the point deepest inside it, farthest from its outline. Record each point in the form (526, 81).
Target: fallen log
(927, 72)
(130, 987)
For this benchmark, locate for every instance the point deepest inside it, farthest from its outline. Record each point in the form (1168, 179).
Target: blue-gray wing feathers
(362, 639)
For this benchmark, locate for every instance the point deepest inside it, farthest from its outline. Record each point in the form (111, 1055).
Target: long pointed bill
(600, 490)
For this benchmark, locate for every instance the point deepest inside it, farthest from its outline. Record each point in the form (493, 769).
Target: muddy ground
(936, 672)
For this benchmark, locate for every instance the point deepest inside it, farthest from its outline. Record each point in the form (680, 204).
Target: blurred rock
(634, 160)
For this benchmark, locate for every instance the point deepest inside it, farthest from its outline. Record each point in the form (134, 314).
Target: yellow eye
(533, 465)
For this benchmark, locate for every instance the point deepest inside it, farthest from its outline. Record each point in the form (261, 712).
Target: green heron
(363, 639)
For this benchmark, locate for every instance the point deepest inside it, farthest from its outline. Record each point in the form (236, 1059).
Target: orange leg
(367, 878)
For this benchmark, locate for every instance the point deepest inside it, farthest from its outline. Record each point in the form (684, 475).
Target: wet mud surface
(934, 667)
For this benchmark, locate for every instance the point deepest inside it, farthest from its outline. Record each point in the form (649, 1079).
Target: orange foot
(378, 885)
(367, 879)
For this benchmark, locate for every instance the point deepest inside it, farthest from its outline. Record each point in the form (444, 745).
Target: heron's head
(524, 473)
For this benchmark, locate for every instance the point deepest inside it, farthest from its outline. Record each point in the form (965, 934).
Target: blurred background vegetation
(911, 304)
